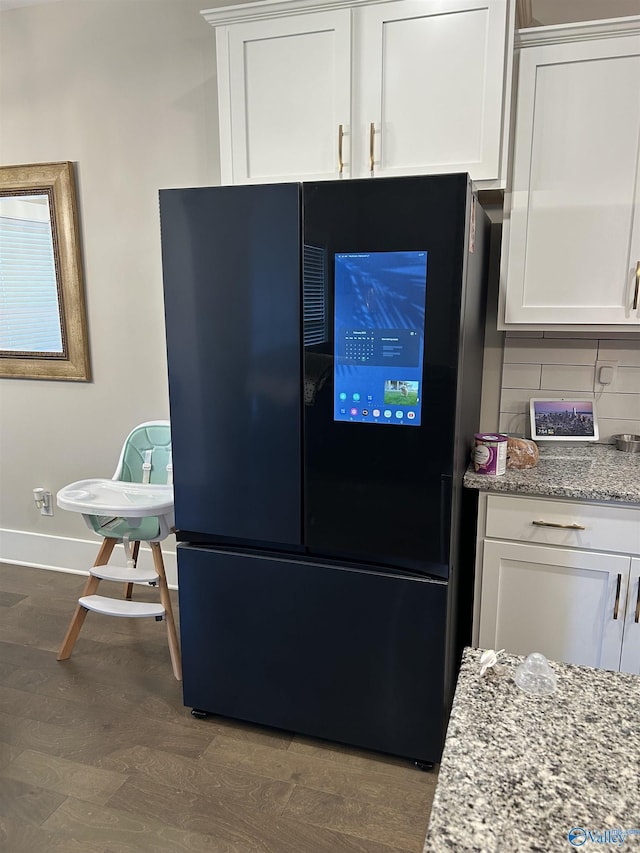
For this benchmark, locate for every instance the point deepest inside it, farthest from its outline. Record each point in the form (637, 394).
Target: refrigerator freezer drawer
(344, 654)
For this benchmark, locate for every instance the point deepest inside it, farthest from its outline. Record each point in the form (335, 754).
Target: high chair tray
(114, 497)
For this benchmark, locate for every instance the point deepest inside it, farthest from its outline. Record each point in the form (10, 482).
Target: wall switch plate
(606, 372)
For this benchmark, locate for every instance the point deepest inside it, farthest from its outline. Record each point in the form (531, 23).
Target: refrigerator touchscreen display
(379, 336)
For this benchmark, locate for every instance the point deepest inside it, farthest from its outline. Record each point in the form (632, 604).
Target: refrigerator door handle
(445, 516)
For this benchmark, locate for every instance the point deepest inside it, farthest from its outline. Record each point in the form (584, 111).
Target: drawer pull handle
(616, 606)
(637, 290)
(340, 160)
(637, 619)
(372, 131)
(573, 526)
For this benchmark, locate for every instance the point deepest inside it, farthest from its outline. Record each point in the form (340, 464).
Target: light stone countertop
(590, 472)
(519, 772)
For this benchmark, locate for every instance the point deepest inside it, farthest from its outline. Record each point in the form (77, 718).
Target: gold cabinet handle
(340, 160)
(372, 133)
(637, 290)
(573, 526)
(616, 606)
(637, 619)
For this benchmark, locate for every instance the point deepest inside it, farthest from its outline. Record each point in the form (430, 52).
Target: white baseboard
(76, 556)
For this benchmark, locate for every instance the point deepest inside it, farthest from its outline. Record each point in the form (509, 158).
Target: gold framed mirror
(43, 327)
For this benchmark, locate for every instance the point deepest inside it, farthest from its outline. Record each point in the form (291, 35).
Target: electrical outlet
(43, 500)
(606, 372)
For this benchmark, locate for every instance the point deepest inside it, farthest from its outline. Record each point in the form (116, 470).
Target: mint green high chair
(135, 505)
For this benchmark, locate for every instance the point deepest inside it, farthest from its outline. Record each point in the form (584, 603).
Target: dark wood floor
(98, 754)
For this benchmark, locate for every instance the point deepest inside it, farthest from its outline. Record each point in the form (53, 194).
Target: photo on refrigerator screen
(563, 420)
(401, 392)
(379, 317)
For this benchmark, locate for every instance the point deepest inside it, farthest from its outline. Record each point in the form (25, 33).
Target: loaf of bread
(522, 453)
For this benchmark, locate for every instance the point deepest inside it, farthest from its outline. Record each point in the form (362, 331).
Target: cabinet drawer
(580, 525)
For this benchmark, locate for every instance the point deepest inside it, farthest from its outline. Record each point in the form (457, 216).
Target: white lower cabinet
(549, 591)
(630, 659)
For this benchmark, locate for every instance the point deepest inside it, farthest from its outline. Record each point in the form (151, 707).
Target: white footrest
(120, 606)
(124, 574)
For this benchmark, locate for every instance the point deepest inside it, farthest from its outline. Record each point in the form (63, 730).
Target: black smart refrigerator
(325, 355)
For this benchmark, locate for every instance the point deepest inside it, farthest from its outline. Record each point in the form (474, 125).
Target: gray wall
(127, 90)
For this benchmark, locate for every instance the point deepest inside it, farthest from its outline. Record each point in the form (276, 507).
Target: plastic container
(490, 453)
(535, 676)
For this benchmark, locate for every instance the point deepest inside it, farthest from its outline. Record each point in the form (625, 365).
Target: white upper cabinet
(429, 82)
(571, 247)
(284, 97)
(313, 90)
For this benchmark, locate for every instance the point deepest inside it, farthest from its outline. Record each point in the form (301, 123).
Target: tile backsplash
(556, 365)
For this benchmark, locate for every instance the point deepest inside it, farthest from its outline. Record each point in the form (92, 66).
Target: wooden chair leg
(165, 598)
(128, 589)
(80, 613)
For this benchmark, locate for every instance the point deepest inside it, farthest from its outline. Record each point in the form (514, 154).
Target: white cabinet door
(630, 660)
(569, 605)
(573, 249)
(284, 91)
(430, 91)
(428, 84)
